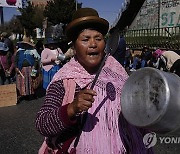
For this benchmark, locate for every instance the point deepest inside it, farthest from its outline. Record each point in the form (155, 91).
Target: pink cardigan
(46, 57)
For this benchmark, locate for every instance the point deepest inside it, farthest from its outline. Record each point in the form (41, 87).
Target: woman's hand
(17, 70)
(82, 102)
(53, 59)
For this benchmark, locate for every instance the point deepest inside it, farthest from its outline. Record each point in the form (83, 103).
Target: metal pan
(151, 99)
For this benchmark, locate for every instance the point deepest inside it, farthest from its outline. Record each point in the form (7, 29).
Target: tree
(38, 18)
(26, 18)
(60, 11)
(31, 17)
(13, 26)
(16, 26)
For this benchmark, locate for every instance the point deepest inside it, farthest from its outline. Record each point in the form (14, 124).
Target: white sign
(11, 3)
(170, 13)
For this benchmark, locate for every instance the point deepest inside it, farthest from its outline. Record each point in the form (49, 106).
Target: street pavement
(19, 136)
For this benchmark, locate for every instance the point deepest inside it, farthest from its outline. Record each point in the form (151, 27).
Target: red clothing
(5, 64)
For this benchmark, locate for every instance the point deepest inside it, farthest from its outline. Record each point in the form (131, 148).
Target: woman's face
(89, 49)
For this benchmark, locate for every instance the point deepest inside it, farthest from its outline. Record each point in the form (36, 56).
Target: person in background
(128, 59)
(176, 67)
(5, 38)
(120, 53)
(146, 55)
(167, 61)
(171, 57)
(50, 62)
(7, 68)
(73, 111)
(39, 46)
(27, 63)
(136, 62)
(142, 60)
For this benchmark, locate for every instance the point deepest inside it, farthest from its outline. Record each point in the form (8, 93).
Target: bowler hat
(3, 47)
(27, 40)
(86, 18)
(50, 41)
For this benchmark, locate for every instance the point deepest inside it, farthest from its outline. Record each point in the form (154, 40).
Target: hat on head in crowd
(50, 40)
(4, 34)
(3, 47)
(27, 40)
(86, 18)
(158, 53)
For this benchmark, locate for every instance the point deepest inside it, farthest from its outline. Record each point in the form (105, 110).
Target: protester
(128, 59)
(145, 56)
(167, 60)
(120, 53)
(39, 46)
(136, 62)
(7, 68)
(176, 67)
(27, 66)
(50, 62)
(142, 60)
(5, 38)
(72, 109)
(171, 58)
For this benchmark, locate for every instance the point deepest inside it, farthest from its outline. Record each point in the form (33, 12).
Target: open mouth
(93, 54)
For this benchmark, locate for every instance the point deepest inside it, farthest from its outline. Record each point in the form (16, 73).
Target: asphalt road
(19, 136)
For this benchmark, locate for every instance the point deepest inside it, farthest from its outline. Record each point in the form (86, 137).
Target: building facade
(157, 14)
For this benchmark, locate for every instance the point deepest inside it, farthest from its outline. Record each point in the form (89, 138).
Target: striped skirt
(48, 75)
(24, 83)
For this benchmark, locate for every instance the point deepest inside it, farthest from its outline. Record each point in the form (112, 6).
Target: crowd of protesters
(28, 65)
(165, 60)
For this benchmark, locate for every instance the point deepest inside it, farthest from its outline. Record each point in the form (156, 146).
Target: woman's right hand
(17, 70)
(82, 102)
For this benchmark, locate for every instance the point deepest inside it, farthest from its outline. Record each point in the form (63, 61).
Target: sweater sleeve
(52, 119)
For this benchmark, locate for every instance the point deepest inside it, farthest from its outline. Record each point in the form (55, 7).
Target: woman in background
(27, 65)
(50, 62)
(7, 68)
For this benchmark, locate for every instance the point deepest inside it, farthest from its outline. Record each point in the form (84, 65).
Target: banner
(11, 3)
(170, 13)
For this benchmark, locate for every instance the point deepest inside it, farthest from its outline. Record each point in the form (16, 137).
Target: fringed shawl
(101, 132)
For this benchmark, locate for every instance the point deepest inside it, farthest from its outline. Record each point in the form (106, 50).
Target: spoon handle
(99, 70)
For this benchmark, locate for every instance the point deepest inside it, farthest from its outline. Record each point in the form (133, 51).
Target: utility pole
(1, 15)
(159, 8)
(76, 4)
(159, 16)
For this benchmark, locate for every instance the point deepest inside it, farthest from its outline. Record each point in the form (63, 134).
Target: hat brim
(4, 49)
(79, 24)
(53, 42)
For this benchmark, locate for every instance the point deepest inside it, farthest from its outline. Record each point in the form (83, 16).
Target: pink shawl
(101, 132)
